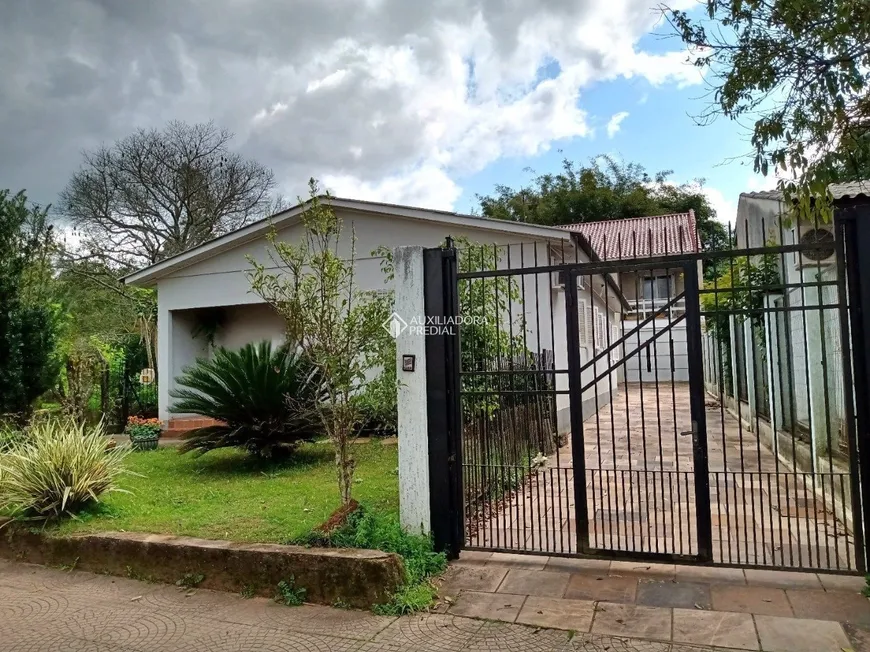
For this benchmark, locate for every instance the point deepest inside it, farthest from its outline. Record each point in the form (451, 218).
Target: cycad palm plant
(264, 399)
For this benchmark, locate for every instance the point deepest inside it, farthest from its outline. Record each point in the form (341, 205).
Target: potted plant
(143, 433)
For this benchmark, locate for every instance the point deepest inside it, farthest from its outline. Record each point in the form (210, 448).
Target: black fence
(683, 406)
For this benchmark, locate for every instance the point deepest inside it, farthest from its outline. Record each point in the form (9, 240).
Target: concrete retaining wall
(358, 578)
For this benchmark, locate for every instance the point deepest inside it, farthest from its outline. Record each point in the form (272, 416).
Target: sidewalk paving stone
(517, 561)
(730, 630)
(44, 609)
(600, 587)
(492, 606)
(430, 632)
(574, 615)
(782, 579)
(795, 635)
(760, 600)
(632, 621)
(569, 565)
(830, 605)
(855, 583)
(687, 595)
(547, 584)
(623, 568)
(474, 578)
(709, 574)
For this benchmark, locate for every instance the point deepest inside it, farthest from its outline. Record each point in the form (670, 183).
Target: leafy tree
(265, 400)
(27, 319)
(95, 305)
(605, 189)
(312, 285)
(157, 193)
(797, 70)
(107, 333)
(738, 289)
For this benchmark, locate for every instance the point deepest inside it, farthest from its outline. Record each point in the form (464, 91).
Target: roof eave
(148, 276)
(583, 243)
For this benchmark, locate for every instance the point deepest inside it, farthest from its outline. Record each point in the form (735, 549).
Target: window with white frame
(596, 323)
(614, 337)
(602, 328)
(582, 309)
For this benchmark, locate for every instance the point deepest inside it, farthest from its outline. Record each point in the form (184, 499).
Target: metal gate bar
(524, 490)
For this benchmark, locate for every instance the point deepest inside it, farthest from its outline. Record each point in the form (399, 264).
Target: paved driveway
(641, 495)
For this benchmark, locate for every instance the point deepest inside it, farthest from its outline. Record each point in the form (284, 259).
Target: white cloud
(393, 98)
(426, 187)
(615, 123)
(671, 67)
(726, 207)
(757, 182)
(331, 80)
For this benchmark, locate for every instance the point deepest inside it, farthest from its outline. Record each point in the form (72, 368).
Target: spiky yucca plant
(264, 399)
(60, 467)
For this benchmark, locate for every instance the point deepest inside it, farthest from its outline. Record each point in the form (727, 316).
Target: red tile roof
(641, 237)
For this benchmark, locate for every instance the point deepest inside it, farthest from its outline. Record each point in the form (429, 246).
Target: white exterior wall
(599, 394)
(806, 394)
(176, 348)
(250, 323)
(653, 362)
(222, 281)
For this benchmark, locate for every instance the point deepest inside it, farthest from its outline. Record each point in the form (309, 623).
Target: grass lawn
(226, 494)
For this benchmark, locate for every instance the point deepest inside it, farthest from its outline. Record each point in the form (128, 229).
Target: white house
(211, 279)
(788, 375)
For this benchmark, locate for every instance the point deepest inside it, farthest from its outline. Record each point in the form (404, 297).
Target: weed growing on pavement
(290, 594)
(190, 580)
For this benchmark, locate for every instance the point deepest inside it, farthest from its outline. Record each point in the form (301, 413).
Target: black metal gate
(598, 408)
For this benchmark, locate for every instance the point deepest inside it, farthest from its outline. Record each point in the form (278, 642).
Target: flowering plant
(138, 428)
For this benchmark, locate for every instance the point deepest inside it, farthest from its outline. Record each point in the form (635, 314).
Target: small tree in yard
(328, 316)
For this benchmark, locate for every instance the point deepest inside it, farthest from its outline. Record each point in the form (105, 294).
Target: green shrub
(58, 469)
(265, 400)
(380, 531)
(377, 403)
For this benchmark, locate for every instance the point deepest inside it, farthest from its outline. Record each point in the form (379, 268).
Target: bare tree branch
(157, 193)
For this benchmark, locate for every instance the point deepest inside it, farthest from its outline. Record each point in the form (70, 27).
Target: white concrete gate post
(413, 426)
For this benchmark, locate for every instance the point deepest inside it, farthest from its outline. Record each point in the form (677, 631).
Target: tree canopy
(27, 320)
(604, 189)
(157, 193)
(798, 72)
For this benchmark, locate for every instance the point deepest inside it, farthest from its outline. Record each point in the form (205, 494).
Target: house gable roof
(850, 190)
(641, 237)
(148, 276)
(846, 190)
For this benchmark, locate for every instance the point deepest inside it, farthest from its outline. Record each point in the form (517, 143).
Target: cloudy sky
(425, 103)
